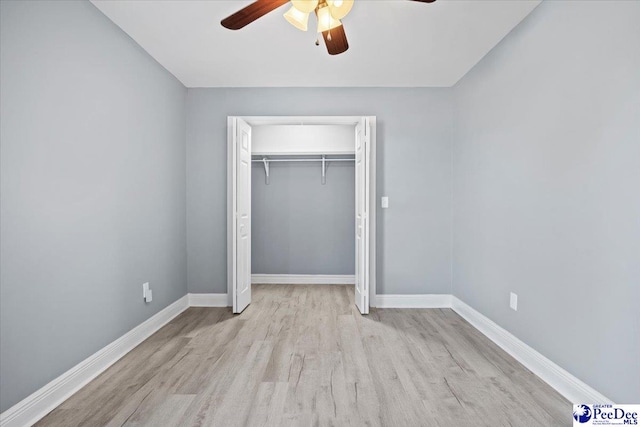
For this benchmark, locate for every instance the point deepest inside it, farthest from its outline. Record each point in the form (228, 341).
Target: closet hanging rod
(301, 160)
(265, 160)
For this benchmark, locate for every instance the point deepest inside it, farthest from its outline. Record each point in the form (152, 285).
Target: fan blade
(338, 43)
(424, 1)
(250, 13)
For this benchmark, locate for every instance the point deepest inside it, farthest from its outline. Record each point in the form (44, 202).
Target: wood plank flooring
(303, 356)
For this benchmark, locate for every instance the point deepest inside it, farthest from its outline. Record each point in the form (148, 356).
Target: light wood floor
(302, 355)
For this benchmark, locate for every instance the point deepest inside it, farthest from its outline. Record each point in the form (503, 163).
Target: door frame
(296, 120)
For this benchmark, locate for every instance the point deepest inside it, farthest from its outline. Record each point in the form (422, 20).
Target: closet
(300, 197)
(303, 204)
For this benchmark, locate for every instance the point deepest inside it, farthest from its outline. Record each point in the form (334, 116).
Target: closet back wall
(413, 168)
(300, 226)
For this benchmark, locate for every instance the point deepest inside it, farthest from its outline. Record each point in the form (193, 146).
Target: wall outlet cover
(384, 202)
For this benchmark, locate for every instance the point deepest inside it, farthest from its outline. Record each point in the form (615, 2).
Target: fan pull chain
(317, 41)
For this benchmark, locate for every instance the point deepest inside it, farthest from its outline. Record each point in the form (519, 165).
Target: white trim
(35, 406)
(373, 208)
(303, 279)
(208, 300)
(413, 301)
(562, 381)
(40, 403)
(296, 120)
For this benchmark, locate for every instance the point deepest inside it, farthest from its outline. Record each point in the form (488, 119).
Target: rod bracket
(324, 169)
(266, 170)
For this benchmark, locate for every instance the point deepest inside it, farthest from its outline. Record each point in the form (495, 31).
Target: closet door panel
(242, 296)
(362, 226)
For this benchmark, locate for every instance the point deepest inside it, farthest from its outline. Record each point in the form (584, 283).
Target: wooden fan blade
(338, 43)
(250, 13)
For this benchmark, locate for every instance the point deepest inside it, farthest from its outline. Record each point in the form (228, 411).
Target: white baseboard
(413, 301)
(303, 279)
(208, 300)
(562, 381)
(40, 403)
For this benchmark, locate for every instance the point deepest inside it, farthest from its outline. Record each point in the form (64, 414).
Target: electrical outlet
(384, 202)
(513, 302)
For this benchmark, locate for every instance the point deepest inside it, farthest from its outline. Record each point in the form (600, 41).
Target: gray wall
(414, 170)
(546, 189)
(546, 166)
(300, 226)
(92, 183)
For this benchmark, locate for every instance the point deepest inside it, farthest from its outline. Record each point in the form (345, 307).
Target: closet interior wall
(301, 225)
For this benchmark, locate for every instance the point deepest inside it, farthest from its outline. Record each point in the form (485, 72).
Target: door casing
(294, 120)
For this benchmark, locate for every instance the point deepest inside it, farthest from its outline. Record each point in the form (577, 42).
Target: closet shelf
(323, 159)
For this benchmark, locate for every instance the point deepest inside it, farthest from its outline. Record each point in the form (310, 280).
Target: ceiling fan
(328, 12)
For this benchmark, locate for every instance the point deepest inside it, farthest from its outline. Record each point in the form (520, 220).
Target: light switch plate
(145, 289)
(384, 202)
(513, 302)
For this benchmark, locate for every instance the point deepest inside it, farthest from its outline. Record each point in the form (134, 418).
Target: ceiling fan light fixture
(326, 22)
(305, 6)
(339, 8)
(298, 19)
(328, 12)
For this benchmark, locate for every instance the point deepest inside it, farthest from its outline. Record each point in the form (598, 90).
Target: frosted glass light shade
(326, 22)
(305, 6)
(340, 8)
(296, 18)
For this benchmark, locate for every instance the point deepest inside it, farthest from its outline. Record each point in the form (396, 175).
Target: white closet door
(362, 216)
(242, 265)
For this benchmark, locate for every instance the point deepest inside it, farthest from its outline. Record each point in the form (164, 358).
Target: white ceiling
(392, 42)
